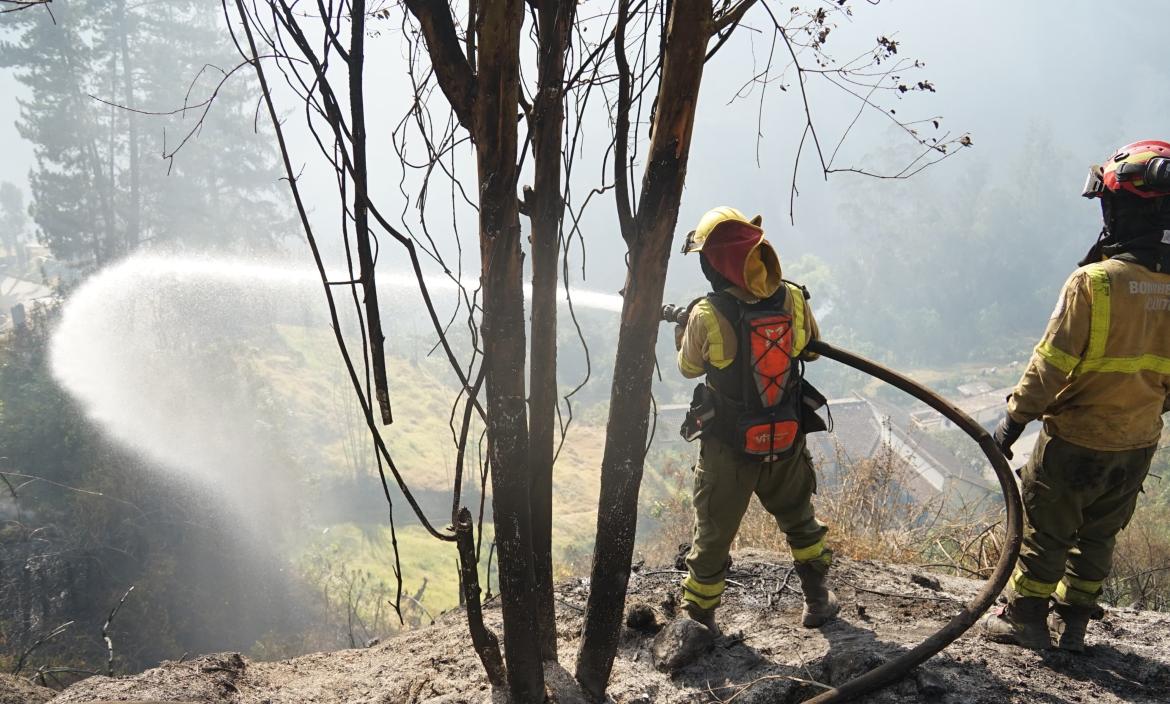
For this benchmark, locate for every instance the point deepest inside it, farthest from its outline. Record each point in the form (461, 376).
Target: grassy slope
(309, 375)
(368, 549)
(305, 370)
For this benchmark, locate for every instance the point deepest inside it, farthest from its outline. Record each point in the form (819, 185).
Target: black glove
(1006, 434)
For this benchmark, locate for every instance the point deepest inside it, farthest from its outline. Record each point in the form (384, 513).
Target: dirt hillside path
(764, 656)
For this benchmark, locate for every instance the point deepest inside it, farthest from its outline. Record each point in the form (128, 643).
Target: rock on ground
(680, 643)
(765, 657)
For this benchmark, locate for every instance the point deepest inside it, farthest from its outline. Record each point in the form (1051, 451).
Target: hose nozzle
(674, 314)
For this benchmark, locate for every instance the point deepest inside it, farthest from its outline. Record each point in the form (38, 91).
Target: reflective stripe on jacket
(1100, 376)
(710, 338)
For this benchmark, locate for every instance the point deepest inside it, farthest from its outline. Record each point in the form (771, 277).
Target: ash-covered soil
(17, 690)
(764, 656)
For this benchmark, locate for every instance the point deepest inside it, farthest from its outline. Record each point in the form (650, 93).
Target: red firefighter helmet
(1141, 168)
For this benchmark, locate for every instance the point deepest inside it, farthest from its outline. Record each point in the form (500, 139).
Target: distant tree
(111, 100)
(71, 186)
(224, 190)
(938, 260)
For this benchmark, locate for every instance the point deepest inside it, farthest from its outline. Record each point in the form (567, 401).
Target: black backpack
(760, 404)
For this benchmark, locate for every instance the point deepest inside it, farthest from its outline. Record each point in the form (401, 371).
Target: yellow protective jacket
(1100, 377)
(711, 338)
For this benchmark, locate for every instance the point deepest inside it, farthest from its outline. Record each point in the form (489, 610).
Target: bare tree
(489, 114)
(545, 206)
(645, 65)
(487, 102)
(648, 232)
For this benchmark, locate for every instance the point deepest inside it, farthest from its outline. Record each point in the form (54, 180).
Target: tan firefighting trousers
(724, 483)
(1076, 501)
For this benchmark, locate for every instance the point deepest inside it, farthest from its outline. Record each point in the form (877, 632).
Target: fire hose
(895, 669)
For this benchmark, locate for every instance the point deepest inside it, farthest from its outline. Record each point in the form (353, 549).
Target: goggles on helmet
(1153, 175)
(1094, 184)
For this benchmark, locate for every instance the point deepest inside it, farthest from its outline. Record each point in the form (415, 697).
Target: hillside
(765, 658)
(300, 372)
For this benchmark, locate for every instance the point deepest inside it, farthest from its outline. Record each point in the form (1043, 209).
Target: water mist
(150, 347)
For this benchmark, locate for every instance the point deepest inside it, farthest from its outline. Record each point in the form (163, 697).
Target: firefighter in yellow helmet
(1099, 380)
(748, 338)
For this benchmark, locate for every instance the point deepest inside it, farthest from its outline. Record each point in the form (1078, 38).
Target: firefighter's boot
(820, 604)
(703, 616)
(1022, 622)
(1068, 623)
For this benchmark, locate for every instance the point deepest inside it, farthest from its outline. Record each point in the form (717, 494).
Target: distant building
(16, 290)
(867, 430)
(864, 429)
(977, 399)
(986, 406)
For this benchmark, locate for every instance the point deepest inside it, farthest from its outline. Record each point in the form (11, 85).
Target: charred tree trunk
(486, 101)
(361, 207)
(496, 107)
(546, 209)
(486, 106)
(625, 448)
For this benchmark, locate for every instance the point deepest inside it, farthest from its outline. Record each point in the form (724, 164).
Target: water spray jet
(153, 348)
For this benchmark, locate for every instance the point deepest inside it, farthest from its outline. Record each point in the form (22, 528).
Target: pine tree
(72, 192)
(221, 190)
(107, 85)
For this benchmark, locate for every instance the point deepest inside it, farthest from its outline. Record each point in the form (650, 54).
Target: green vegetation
(83, 521)
(429, 568)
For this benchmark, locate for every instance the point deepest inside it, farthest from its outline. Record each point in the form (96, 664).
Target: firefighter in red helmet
(1099, 380)
(748, 338)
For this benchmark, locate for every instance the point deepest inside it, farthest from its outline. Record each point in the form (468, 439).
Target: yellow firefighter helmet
(712, 219)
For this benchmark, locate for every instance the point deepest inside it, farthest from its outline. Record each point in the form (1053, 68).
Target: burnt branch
(451, 65)
(355, 60)
(461, 445)
(203, 107)
(32, 478)
(621, 138)
(106, 632)
(730, 18)
(877, 71)
(20, 662)
(486, 644)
